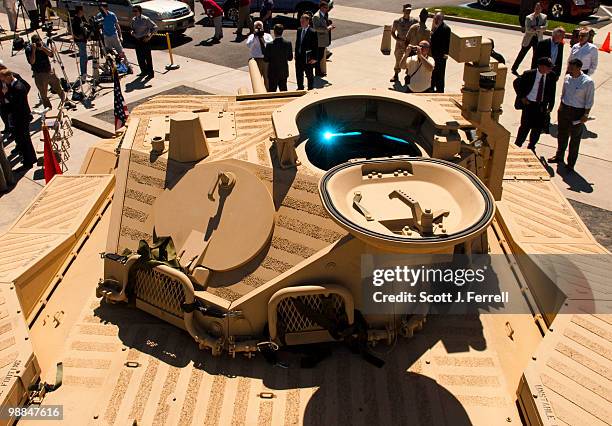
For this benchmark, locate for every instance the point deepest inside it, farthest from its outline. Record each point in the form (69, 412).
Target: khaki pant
(263, 69)
(244, 19)
(400, 56)
(324, 61)
(43, 80)
(11, 13)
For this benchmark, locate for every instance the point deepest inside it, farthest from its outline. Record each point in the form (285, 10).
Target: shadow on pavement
(576, 182)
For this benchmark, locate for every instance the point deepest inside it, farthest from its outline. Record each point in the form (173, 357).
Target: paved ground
(357, 62)
(196, 44)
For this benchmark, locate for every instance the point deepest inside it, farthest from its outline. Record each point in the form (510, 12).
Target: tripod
(20, 8)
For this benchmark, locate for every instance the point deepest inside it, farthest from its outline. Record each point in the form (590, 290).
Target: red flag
(120, 107)
(51, 165)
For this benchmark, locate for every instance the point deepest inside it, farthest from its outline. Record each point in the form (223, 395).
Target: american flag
(121, 109)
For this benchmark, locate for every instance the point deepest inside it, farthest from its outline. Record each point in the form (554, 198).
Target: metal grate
(159, 290)
(291, 321)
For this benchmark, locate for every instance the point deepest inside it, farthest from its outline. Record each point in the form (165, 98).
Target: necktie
(540, 94)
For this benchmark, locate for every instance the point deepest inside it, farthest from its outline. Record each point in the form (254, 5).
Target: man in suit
(535, 25)
(278, 54)
(440, 42)
(551, 48)
(322, 26)
(535, 92)
(305, 53)
(19, 117)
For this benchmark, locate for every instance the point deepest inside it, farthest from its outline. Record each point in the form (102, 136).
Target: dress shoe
(518, 144)
(24, 167)
(394, 79)
(554, 160)
(531, 147)
(515, 72)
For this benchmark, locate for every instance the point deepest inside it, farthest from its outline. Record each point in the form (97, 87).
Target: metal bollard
(257, 80)
(171, 65)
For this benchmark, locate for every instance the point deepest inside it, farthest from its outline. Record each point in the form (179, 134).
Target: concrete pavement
(357, 62)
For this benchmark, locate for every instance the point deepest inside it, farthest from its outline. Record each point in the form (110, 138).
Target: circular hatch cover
(223, 221)
(407, 205)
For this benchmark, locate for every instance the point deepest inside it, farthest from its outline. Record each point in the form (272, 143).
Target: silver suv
(170, 16)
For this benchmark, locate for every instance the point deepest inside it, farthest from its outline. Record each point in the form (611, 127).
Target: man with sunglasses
(585, 52)
(143, 29)
(419, 68)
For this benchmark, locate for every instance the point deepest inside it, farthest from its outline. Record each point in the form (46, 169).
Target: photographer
(419, 68)
(142, 30)
(38, 56)
(256, 43)
(80, 33)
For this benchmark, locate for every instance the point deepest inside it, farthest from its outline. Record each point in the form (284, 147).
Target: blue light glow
(393, 138)
(327, 135)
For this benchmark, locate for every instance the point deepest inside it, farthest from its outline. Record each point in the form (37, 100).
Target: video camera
(94, 27)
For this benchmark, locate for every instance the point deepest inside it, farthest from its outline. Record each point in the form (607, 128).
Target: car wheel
(558, 10)
(486, 4)
(231, 12)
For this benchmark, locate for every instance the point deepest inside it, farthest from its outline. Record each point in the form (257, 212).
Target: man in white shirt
(586, 52)
(576, 102)
(419, 68)
(256, 43)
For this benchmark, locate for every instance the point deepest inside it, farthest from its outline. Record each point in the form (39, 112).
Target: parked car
(170, 16)
(230, 7)
(555, 9)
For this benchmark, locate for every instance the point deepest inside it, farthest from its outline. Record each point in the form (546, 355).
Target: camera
(47, 27)
(259, 32)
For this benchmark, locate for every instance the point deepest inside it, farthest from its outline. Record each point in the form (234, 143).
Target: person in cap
(419, 31)
(399, 32)
(577, 100)
(535, 93)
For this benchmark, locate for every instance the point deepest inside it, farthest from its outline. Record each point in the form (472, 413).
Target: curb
(499, 25)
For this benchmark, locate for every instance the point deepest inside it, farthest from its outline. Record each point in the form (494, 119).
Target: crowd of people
(536, 87)
(272, 52)
(421, 51)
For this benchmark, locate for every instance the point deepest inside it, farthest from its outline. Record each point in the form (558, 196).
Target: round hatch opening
(414, 205)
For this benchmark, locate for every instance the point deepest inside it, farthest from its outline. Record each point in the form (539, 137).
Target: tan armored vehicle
(217, 248)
